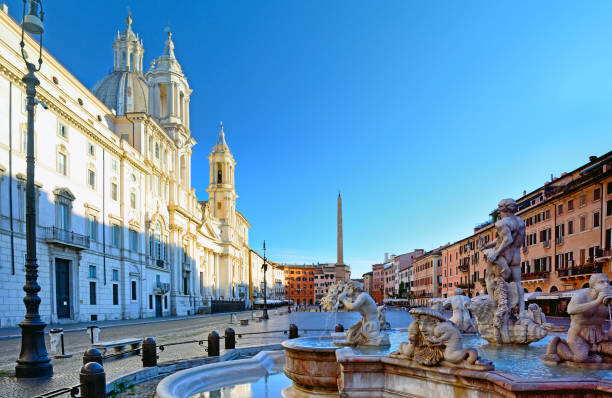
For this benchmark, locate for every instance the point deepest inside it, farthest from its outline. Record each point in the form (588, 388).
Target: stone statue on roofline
(349, 295)
(587, 344)
(500, 315)
(433, 340)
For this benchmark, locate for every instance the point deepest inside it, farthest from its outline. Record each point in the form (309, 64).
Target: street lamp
(33, 360)
(265, 268)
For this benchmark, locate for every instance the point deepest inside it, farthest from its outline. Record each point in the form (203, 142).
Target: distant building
(403, 272)
(378, 282)
(426, 271)
(367, 283)
(299, 282)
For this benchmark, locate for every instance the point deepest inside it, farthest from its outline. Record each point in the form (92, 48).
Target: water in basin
(269, 386)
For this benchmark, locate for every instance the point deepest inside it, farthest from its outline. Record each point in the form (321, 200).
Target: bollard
(93, 380)
(92, 355)
(149, 352)
(339, 328)
(293, 331)
(213, 344)
(230, 339)
(289, 309)
(53, 337)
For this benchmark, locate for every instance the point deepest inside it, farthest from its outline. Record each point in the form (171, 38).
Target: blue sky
(423, 113)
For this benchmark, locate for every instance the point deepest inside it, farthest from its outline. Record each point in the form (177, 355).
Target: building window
(150, 301)
(133, 240)
(134, 291)
(115, 235)
(570, 227)
(92, 224)
(596, 217)
(596, 194)
(113, 191)
(582, 224)
(24, 140)
(582, 200)
(63, 216)
(114, 164)
(609, 188)
(560, 209)
(61, 163)
(609, 208)
(91, 178)
(115, 294)
(157, 150)
(166, 302)
(92, 271)
(91, 149)
(92, 293)
(115, 275)
(570, 205)
(219, 174)
(62, 130)
(133, 200)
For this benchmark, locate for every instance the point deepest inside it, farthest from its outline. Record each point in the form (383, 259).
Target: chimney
(592, 158)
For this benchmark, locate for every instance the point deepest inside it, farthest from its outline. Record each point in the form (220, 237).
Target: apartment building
(426, 272)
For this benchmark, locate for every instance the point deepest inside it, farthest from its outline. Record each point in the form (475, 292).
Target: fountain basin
(313, 367)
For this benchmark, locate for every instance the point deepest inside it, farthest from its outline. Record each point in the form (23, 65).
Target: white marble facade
(121, 233)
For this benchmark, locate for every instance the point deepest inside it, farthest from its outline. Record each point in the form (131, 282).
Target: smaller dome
(123, 91)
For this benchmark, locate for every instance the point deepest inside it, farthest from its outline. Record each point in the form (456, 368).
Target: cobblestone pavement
(195, 328)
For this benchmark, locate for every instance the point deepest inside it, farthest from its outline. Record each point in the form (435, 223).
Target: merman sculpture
(350, 296)
(495, 313)
(435, 341)
(587, 344)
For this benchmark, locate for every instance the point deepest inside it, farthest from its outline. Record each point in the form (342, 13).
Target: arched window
(538, 289)
(132, 62)
(554, 289)
(163, 101)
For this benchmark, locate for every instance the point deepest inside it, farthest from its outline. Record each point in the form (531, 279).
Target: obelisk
(340, 268)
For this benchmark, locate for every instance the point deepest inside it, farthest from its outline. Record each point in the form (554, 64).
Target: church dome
(123, 91)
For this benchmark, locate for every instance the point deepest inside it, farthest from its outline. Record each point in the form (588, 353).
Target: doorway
(62, 291)
(158, 305)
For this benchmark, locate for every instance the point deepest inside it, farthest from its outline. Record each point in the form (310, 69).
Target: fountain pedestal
(313, 370)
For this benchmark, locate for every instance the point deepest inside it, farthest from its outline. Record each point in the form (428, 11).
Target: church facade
(120, 231)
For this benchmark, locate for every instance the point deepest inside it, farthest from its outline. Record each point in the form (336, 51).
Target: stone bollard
(92, 355)
(339, 328)
(93, 380)
(213, 344)
(230, 339)
(149, 352)
(293, 331)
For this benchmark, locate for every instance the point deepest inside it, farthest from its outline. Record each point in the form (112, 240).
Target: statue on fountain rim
(434, 340)
(501, 315)
(350, 295)
(587, 344)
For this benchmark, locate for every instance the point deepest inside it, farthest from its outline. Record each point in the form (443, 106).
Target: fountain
(313, 367)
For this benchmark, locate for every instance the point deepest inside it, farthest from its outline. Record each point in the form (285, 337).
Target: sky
(424, 114)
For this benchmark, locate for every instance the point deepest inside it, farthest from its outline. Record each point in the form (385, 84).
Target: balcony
(65, 238)
(158, 263)
(464, 267)
(602, 256)
(465, 285)
(534, 276)
(161, 288)
(579, 272)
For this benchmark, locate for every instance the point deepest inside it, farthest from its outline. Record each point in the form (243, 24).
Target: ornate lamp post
(265, 268)
(33, 360)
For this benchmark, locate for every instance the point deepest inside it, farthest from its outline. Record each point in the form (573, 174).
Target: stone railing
(62, 236)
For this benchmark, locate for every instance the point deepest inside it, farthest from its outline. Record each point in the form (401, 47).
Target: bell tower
(221, 190)
(169, 92)
(128, 50)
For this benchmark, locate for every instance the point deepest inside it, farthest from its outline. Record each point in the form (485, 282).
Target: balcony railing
(465, 285)
(534, 275)
(162, 288)
(64, 237)
(581, 270)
